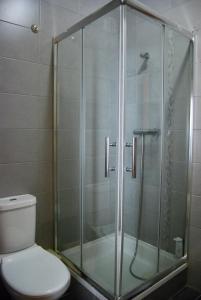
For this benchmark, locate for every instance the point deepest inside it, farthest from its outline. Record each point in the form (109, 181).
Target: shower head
(145, 56)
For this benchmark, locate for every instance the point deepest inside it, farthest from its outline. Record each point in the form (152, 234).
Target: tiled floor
(187, 294)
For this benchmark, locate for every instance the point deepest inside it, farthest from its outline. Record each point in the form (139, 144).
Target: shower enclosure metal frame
(122, 60)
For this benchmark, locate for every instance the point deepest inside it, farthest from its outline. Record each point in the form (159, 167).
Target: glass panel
(100, 59)
(143, 119)
(158, 85)
(68, 145)
(177, 91)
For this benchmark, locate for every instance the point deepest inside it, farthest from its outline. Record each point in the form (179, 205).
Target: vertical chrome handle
(134, 156)
(107, 156)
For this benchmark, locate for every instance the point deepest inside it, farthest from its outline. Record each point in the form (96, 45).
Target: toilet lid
(35, 272)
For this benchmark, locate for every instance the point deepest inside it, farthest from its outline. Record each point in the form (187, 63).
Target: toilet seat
(35, 273)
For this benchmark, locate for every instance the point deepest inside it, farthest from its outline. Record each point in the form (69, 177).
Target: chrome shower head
(145, 57)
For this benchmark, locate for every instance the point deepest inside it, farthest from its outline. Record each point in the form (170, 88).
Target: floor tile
(187, 294)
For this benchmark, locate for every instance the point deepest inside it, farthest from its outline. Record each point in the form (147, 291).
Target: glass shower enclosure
(122, 148)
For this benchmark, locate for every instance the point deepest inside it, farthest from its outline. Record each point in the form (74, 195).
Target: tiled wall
(25, 111)
(26, 98)
(187, 14)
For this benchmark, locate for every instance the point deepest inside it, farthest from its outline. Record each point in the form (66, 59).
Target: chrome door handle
(107, 156)
(134, 156)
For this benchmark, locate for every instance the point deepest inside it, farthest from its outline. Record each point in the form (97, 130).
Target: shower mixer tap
(153, 131)
(133, 145)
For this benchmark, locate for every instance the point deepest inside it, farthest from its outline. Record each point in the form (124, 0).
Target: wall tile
(70, 4)
(178, 2)
(45, 113)
(94, 172)
(18, 145)
(194, 272)
(69, 84)
(149, 231)
(97, 115)
(18, 111)
(88, 6)
(158, 5)
(98, 198)
(25, 145)
(197, 146)
(22, 12)
(69, 203)
(195, 243)
(197, 113)
(196, 211)
(179, 148)
(56, 19)
(18, 179)
(45, 48)
(68, 144)
(69, 112)
(44, 208)
(24, 111)
(45, 234)
(197, 78)
(196, 179)
(45, 177)
(20, 77)
(46, 80)
(25, 178)
(68, 174)
(197, 44)
(45, 145)
(186, 15)
(18, 42)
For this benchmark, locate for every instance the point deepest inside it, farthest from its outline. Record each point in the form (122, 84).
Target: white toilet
(27, 270)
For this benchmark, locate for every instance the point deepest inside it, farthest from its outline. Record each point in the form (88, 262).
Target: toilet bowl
(34, 273)
(30, 272)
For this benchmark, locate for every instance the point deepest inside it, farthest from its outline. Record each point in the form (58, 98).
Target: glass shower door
(100, 123)
(142, 159)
